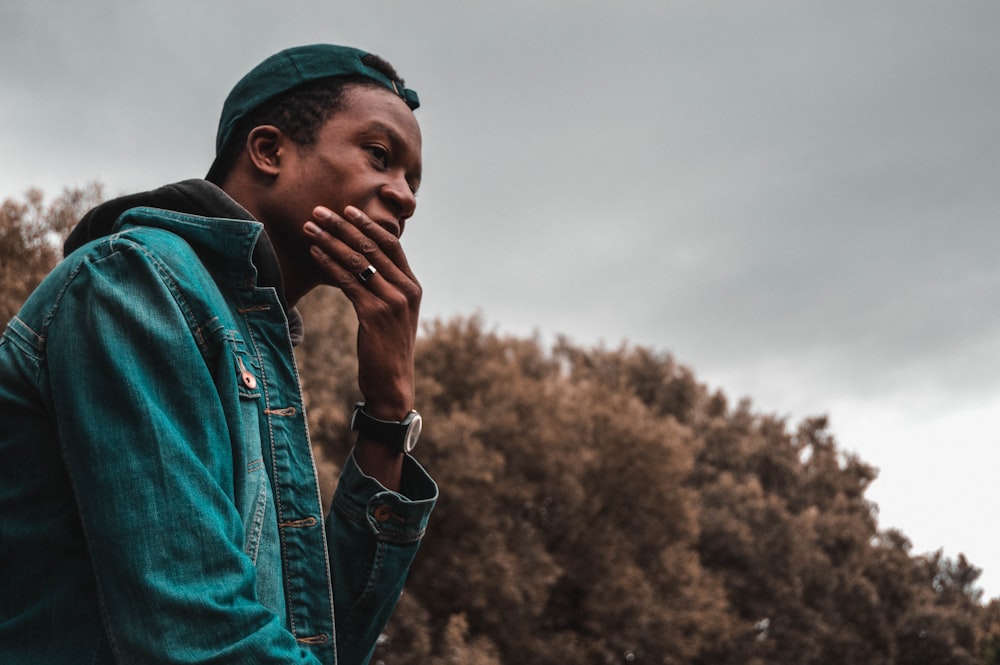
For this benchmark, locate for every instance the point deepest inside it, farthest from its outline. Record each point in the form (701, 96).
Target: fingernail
(352, 212)
(310, 228)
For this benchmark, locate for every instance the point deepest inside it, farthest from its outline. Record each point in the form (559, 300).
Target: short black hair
(299, 113)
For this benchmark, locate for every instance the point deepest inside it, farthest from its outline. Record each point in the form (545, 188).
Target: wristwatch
(400, 435)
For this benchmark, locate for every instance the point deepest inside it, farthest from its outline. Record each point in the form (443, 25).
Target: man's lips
(392, 226)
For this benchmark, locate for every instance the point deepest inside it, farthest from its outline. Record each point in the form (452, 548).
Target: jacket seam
(172, 285)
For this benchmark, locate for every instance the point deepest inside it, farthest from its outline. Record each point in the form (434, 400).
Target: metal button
(382, 514)
(249, 380)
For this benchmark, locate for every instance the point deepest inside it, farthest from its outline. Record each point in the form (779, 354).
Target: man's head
(297, 90)
(333, 141)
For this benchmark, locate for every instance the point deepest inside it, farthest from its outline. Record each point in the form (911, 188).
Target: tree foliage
(31, 234)
(602, 506)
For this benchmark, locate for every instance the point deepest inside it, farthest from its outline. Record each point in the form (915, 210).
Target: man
(158, 499)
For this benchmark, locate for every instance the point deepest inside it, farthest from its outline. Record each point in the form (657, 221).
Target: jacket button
(382, 514)
(249, 380)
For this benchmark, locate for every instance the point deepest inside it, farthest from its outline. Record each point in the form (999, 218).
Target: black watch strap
(400, 435)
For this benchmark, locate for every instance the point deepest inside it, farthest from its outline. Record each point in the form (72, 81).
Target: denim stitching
(300, 523)
(322, 638)
(253, 544)
(254, 308)
(288, 411)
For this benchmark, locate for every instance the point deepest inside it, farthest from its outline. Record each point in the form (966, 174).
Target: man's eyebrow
(381, 128)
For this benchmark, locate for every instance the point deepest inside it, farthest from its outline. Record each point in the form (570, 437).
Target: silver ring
(367, 273)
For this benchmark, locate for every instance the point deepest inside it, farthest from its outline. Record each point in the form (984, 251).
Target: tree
(602, 506)
(31, 236)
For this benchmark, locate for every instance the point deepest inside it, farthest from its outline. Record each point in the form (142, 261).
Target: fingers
(345, 246)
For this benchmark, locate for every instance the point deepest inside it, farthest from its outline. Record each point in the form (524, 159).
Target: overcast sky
(798, 200)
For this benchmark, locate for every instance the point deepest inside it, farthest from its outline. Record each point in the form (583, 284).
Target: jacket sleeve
(148, 453)
(373, 535)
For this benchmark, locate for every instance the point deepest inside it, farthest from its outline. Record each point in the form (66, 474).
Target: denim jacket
(158, 498)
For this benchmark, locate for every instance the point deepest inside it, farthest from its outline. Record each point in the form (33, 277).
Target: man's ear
(265, 148)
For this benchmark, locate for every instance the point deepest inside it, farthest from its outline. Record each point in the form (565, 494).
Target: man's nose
(401, 198)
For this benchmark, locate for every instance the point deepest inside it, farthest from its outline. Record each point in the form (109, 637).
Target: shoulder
(139, 266)
(130, 259)
(166, 251)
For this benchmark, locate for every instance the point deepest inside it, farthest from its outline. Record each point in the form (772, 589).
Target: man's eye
(379, 154)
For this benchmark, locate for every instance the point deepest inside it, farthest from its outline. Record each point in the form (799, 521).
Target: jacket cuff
(399, 517)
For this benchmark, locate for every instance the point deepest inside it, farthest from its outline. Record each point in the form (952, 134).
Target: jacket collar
(224, 234)
(198, 211)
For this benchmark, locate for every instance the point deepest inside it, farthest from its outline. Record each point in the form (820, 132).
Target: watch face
(413, 433)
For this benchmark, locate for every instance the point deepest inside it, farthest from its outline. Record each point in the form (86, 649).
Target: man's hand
(387, 304)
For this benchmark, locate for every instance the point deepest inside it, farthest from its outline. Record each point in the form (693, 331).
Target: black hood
(190, 197)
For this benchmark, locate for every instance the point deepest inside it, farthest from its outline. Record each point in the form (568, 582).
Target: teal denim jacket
(158, 498)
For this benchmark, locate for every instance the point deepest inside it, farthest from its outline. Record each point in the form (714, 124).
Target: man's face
(367, 155)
